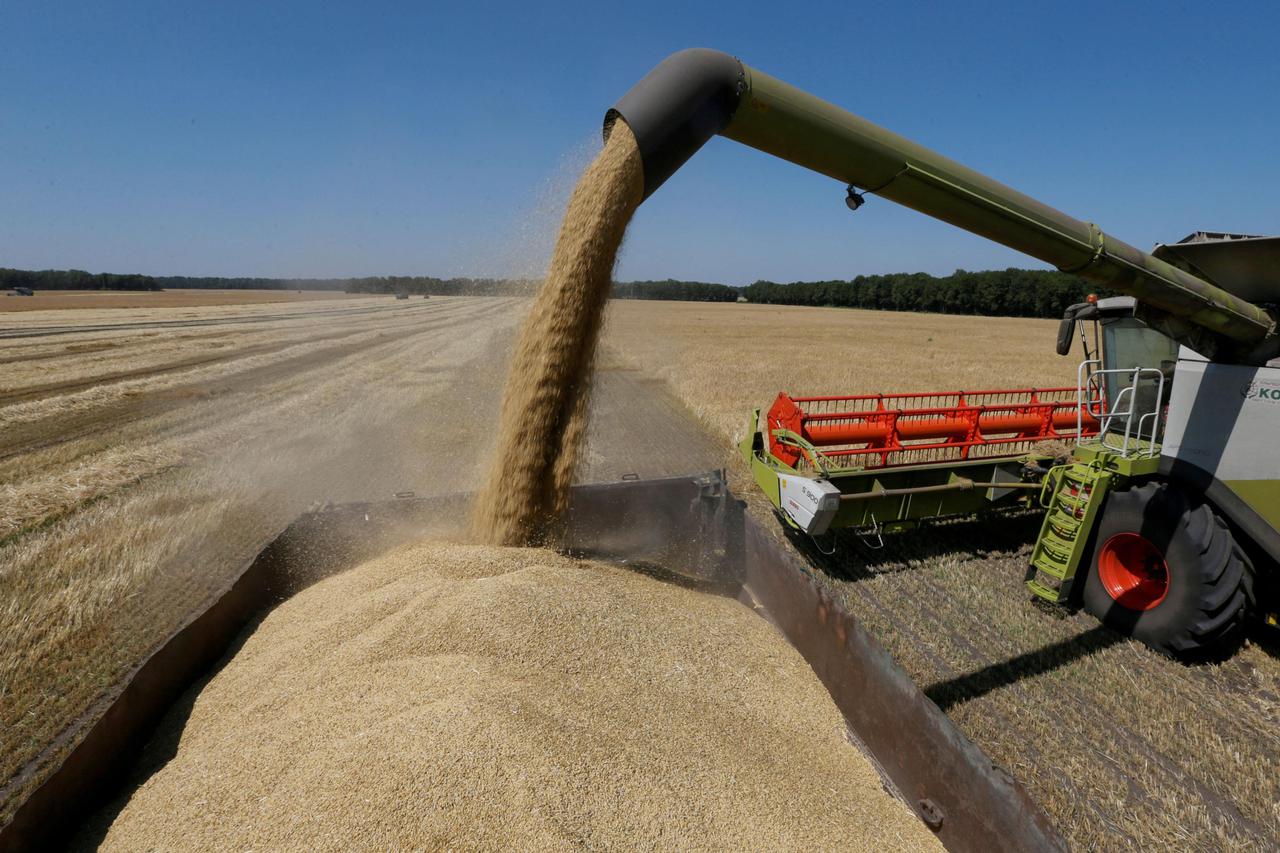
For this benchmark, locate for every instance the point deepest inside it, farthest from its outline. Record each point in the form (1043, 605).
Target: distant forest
(75, 280)
(1002, 293)
(1010, 292)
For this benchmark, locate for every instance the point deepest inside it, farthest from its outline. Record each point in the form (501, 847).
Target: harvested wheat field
(724, 358)
(492, 698)
(61, 300)
(1124, 749)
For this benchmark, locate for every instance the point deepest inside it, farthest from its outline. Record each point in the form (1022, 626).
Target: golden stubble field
(722, 359)
(63, 300)
(1124, 749)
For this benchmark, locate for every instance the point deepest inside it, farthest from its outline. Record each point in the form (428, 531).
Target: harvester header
(884, 430)
(698, 93)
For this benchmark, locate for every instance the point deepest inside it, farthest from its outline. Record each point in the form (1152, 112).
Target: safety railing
(1126, 424)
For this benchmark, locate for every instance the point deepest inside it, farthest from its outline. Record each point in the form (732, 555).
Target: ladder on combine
(1071, 496)
(1129, 423)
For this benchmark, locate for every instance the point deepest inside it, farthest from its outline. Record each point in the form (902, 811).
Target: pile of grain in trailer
(485, 697)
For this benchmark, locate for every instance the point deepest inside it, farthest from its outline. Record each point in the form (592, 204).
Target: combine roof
(1243, 264)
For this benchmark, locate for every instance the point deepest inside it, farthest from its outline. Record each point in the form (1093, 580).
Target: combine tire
(1167, 571)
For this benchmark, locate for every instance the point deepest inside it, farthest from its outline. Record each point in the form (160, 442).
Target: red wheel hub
(1133, 571)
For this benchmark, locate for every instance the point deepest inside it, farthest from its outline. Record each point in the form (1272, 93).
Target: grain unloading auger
(1156, 472)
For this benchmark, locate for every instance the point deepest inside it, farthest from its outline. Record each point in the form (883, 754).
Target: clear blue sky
(333, 139)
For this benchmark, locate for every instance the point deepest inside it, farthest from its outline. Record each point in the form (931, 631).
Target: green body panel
(896, 512)
(784, 121)
(752, 449)
(1263, 496)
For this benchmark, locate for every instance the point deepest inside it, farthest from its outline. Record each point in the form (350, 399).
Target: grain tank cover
(1242, 264)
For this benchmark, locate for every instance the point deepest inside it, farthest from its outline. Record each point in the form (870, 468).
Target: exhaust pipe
(698, 93)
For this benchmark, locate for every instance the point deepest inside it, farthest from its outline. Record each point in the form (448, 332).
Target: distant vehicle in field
(400, 294)
(426, 296)
(23, 291)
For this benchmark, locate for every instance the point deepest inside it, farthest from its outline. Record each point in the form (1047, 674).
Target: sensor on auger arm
(1162, 501)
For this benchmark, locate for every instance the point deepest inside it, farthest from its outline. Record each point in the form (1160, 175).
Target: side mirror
(1066, 331)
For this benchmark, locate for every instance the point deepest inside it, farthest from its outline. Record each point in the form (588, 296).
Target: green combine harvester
(1156, 472)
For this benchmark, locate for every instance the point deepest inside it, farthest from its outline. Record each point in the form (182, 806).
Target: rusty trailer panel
(689, 526)
(971, 803)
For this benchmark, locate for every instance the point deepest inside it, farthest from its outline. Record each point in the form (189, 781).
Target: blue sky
(334, 139)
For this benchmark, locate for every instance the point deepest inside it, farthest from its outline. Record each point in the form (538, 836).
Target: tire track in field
(58, 429)
(231, 320)
(980, 636)
(350, 367)
(69, 386)
(975, 643)
(37, 391)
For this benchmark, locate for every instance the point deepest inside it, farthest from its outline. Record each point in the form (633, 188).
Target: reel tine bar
(881, 430)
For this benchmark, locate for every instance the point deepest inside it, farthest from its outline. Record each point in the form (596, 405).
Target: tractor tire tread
(1213, 563)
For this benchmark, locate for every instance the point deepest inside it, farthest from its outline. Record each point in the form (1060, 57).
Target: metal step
(1059, 548)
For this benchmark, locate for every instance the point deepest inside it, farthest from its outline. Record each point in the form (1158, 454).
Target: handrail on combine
(1091, 394)
(882, 430)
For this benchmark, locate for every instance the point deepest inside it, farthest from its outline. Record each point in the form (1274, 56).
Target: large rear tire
(1167, 571)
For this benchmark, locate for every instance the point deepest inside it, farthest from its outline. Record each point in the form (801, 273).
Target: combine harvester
(1168, 498)
(1162, 520)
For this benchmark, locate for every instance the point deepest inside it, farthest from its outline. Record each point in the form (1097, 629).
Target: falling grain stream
(544, 409)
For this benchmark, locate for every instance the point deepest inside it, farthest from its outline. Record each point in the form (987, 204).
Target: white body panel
(1224, 418)
(810, 503)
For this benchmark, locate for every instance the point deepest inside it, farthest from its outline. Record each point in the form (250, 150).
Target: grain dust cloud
(544, 407)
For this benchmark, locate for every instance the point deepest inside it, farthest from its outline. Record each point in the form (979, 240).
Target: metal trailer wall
(689, 526)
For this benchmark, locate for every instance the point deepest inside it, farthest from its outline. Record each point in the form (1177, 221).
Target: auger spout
(696, 94)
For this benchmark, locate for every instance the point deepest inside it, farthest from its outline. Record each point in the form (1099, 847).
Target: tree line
(75, 280)
(413, 284)
(1002, 293)
(682, 291)
(1010, 292)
